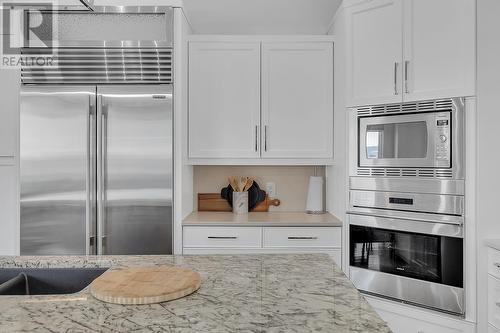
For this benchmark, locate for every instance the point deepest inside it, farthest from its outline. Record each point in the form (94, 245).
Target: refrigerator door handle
(90, 198)
(101, 175)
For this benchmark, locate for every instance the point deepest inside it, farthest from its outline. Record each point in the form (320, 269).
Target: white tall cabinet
(374, 50)
(9, 197)
(408, 50)
(439, 48)
(297, 103)
(224, 100)
(260, 101)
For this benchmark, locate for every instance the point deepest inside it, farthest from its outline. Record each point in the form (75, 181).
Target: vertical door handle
(256, 138)
(396, 65)
(265, 138)
(101, 172)
(90, 174)
(407, 64)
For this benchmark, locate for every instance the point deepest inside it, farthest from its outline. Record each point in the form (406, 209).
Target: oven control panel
(442, 139)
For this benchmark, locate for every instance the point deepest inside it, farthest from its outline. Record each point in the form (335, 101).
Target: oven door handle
(430, 228)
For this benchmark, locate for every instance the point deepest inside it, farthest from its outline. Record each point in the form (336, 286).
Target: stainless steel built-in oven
(413, 261)
(421, 135)
(407, 202)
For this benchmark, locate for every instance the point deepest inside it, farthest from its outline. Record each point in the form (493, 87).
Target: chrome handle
(407, 64)
(265, 138)
(396, 64)
(256, 138)
(101, 174)
(302, 237)
(90, 176)
(222, 237)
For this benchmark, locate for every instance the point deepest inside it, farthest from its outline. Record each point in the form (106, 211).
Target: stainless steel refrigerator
(96, 169)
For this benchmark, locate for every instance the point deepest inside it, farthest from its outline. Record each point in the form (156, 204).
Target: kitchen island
(239, 293)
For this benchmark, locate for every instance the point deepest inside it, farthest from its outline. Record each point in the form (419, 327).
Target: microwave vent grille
(413, 107)
(405, 172)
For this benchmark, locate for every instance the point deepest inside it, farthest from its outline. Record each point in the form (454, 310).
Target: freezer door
(56, 170)
(134, 169)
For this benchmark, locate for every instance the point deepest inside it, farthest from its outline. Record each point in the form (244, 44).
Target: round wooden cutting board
(145, 285)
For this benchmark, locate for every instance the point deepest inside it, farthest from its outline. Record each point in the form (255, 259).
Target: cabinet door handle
(396, 65)
(265, 138)
(222, 237)
(302, 237)
(407, 64)
(256, 138)
(497, 304)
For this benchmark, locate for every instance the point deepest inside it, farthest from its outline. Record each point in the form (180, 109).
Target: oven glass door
(432, 258)
(410, 140)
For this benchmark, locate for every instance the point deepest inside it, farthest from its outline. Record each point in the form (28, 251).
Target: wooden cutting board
(213, 202)
(145, 285)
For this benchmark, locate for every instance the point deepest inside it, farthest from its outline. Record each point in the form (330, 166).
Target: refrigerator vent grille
(424, 106)
(98, 66)
(405, 172)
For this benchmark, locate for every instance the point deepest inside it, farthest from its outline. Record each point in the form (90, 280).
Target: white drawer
(222, 237)
(494, 262)
(494, 301)
(302, 237)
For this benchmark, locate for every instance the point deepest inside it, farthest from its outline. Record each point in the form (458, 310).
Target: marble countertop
(259, 219)
(239, 293)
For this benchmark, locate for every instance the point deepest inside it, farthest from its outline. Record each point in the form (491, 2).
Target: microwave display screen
(442, 122)
(396, 140)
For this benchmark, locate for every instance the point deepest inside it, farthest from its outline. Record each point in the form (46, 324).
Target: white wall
(488, 152)
(337, 174)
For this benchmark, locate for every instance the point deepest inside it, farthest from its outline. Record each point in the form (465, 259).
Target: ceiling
(260, 16)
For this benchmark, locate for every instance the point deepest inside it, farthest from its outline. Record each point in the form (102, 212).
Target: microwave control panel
(443, 125)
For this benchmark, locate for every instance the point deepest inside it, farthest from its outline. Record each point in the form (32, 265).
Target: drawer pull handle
(299, 237)
(222, 237)
(497, 265)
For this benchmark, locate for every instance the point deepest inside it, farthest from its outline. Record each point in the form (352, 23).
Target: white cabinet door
(374, 52)
(9, 225)
(297, 100)
(439, 49)
(224, 100)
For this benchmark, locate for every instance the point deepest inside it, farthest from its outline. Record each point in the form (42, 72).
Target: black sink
(46, 281)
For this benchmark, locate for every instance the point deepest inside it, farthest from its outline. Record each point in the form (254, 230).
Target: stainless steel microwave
(407, 139)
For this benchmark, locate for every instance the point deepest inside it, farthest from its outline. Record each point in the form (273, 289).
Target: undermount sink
(46, 281)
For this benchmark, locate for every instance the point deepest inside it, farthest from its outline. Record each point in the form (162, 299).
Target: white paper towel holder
(315, 191)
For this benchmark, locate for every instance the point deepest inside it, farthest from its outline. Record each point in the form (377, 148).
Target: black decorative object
(255, 195)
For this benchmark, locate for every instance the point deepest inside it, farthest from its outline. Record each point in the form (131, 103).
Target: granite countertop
(239, 293)
(259, 219)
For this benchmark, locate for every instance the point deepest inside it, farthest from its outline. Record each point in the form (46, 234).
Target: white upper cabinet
(439, 48)
(257, 101)
(297, 100)
(374, 51)
(224, 100)
(407, 50)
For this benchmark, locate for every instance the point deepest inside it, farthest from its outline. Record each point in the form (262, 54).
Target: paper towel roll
(315, 196)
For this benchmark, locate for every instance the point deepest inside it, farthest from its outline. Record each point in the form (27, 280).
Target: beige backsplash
(291, 181)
